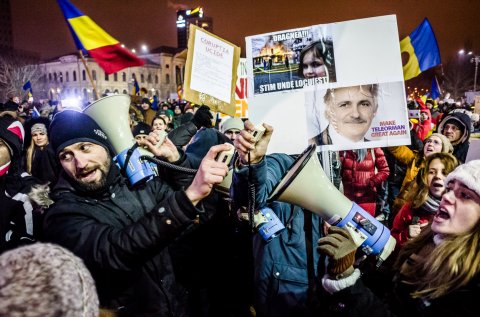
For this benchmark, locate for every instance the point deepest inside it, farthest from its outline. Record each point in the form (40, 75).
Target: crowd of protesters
(178, 245)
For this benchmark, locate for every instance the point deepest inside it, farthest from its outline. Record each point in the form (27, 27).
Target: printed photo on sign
(364, 71)
(292, 60)
(353, 116)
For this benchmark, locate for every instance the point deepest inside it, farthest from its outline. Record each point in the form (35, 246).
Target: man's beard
(103, 169)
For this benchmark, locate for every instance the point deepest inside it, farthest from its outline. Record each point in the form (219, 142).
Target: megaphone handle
(127, 158)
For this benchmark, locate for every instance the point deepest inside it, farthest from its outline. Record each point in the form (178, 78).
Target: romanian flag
(91, 38)
(136, 88)
(422, 48)
(28, 87)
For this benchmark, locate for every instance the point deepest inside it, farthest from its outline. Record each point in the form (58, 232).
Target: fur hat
(45, 280)
(468, 174)
(232, 123)
(38, 127)
(69, 127)
(447, 147)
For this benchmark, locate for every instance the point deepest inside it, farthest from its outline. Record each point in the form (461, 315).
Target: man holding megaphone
(303, 183)
(285, 266)
(122, 231)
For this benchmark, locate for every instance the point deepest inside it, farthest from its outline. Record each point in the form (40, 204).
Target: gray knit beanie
(447, 147)
(45, 280)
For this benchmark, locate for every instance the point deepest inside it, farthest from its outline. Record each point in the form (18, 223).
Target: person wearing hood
(424, 127)
(21, 197)
(456, 127)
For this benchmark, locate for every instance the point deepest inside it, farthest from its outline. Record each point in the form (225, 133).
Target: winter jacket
(21, 210)
(122, 235)
(45, 165)
(281, 278)
(414, 163)
(424, 128)
(148, 115)
(360, 180)
(183, 134)
(359, 301)
(403, 220)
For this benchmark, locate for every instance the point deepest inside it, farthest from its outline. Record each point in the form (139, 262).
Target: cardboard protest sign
(210, 72)
(477, 104)
(342, 89)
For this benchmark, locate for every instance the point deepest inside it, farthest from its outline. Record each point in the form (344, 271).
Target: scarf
(430, 206)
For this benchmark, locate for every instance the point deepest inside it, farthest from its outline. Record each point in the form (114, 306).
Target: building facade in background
(66, 77)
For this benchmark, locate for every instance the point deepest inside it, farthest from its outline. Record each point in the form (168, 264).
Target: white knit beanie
(45, 280)
(468, 174)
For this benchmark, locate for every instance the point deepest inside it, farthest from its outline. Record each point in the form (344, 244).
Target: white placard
(212, 66)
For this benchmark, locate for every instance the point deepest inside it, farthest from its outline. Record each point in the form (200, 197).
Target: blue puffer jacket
(281, 274)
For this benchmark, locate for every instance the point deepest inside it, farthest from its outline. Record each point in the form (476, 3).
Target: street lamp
(475, 60)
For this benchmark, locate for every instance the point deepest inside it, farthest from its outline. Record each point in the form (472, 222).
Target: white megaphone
(305, 184)
(111, 114)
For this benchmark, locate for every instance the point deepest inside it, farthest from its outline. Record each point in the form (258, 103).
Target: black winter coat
(122, 236)
(358, 301)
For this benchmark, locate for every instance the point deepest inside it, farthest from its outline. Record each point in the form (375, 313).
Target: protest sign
(477, 104)
(342, 89)
(210, 72)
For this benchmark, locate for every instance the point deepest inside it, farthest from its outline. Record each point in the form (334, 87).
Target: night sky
(39, 26)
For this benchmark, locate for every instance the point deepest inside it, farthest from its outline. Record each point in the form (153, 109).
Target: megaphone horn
(305, 184)
(111, 114)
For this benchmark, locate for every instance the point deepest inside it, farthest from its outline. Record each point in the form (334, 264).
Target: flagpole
(95, 92)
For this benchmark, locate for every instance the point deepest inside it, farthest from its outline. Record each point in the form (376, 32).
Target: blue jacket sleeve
(265, 176)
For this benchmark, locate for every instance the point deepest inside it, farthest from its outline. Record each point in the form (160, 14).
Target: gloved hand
(340, 247)
(203, 117)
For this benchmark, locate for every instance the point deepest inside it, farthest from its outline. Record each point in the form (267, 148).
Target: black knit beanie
(69, 127)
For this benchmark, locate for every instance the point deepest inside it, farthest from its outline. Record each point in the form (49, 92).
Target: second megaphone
(305, 184)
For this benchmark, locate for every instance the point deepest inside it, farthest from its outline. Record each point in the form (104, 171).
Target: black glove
(340, 247)
(203, 117)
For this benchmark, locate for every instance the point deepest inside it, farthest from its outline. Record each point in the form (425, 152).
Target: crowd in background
(222, 269)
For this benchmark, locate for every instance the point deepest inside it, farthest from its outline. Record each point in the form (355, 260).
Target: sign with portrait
(342, 87)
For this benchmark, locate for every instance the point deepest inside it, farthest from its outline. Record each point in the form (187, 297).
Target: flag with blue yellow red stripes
(91, 38)
(422, 48)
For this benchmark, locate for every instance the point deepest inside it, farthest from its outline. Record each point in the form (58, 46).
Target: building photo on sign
(355, 98)
(292, 60)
